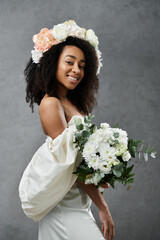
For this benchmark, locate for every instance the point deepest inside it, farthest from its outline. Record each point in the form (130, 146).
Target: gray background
(129, 35)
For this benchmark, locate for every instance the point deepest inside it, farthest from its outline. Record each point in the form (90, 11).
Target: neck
(62, 92)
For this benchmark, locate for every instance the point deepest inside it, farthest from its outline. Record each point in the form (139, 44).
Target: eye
(82, 67)
(70, 63)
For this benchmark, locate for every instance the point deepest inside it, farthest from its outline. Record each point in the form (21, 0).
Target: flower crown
(47, 38)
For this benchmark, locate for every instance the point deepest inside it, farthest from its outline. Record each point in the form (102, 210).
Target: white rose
(92, 38)
(115, 163)
(36, 55)
(120, 148)
(126, 156)
(105, 125)
(60, 32)
(78, 32)
(104, 167)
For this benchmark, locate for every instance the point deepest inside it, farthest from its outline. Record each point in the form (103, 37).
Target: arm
(104, 213)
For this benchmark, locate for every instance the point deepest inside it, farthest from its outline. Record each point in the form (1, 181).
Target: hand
(107, 224)
(106, 185)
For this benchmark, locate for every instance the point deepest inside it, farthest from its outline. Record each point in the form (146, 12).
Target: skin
(55, 113)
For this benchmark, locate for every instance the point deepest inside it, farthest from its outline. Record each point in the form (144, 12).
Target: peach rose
(44, 40)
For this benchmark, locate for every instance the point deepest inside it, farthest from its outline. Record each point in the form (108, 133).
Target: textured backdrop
(129, 33)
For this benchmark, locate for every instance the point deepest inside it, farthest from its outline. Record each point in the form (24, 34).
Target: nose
(76, 68)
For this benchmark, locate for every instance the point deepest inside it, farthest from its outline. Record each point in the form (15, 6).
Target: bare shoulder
(52, 116)
(48, 102)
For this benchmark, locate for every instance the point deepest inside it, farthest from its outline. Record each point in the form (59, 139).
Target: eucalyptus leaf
(133, 151)
(117, 173)
(129, 169)
(86, 120)
(116, 134)
(146, 156)
(119, 166)
(139, 155)
(137, 142)
(80, 126)
(115, 141)
(150, 150)
(85, 133)
(147, 148)
(141, 148)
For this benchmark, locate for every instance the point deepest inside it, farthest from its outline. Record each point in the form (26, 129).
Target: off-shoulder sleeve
(48, 176)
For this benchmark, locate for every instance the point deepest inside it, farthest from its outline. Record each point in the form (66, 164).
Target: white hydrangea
(92, 38)
(101, 152)
(107, 153)
(94, 162)
(88, 151)
(94, 139)
(36, 55)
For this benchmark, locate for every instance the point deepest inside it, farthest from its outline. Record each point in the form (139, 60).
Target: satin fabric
(71, 219)
(50, 194)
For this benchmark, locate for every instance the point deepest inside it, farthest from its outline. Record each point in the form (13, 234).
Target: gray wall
(129, 35)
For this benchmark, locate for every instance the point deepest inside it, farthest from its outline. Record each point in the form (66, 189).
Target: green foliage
(84, 130)
(80, 126)
(118, 170)
(120, 173)
(116, 134)
(116, 126)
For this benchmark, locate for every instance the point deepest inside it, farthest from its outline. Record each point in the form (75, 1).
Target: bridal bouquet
(106, 153)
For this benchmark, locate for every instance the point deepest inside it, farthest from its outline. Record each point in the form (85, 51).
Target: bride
(62, 79)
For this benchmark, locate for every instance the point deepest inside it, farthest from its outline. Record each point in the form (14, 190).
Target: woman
(62, 79)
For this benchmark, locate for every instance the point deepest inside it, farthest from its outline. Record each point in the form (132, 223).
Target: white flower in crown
(36, 55)
(47, 38)
(92, 38)
(60, 32)
(99, 60)
(74, 29)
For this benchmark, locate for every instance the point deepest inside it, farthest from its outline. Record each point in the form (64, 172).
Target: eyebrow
(74, 57)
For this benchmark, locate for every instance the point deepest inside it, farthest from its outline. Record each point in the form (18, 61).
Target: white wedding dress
(50, 194)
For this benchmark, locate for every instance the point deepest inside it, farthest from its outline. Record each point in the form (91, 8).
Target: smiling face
(70, 69)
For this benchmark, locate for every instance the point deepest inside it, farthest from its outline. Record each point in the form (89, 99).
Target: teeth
(74, 79)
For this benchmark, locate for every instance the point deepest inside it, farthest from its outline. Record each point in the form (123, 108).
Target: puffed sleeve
(48, 176)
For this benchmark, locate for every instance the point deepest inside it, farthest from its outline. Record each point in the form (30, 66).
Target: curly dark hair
(41, 77)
